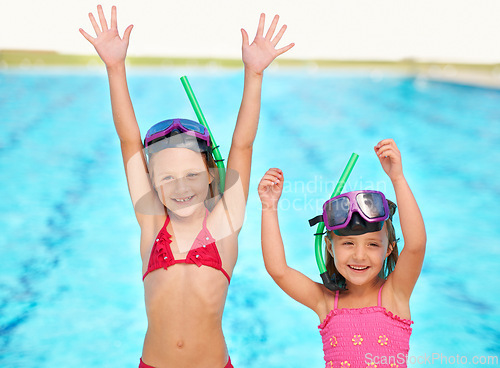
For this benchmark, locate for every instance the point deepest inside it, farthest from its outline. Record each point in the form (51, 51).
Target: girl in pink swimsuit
(365, 316)
(189, 232)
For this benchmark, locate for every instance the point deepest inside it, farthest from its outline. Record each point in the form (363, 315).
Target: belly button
(180, 344)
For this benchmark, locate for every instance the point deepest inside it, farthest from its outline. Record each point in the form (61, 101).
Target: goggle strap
(316, 220)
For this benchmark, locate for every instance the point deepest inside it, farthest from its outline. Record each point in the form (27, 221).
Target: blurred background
(443, 30)
(426, 74)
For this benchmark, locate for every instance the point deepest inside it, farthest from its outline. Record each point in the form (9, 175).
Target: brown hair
(389, 262)
(213, 187)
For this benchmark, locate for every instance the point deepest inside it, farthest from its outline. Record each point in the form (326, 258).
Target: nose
(359, 252)
(180, 186)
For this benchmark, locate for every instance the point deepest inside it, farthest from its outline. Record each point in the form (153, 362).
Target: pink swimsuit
(365, 337)
(203, 251)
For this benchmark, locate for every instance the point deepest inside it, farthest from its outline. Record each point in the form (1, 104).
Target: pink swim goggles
(371, 205)
(164, 128)
(355, 213)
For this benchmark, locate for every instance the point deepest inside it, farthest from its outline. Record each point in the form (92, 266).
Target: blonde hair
(389, 262)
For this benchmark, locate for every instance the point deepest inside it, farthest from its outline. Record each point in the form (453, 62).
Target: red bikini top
(203, 251)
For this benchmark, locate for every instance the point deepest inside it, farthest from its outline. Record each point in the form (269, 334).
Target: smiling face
(181, 178)
(359, 258)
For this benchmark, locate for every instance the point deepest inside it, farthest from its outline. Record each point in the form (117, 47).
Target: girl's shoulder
(394, 302)
(328, 303)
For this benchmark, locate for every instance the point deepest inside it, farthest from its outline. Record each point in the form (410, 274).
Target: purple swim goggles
(355, 213)
(369, 204)
(162, 130)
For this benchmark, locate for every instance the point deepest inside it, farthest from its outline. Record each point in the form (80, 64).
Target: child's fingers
(380, 151)
(114, 22)
(94, 24)
(244, 35)
(272, 27)
(276, 172)
(260, 28)
(388, 152)
(272, 177)
(389, 144)
(284, 49)
(384, 142)
(102, 18)
(280, 34)
(87, 36)
(126, 34)
(275, 169)
(266, 183)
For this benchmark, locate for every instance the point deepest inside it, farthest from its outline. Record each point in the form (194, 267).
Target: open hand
(390, 158)
(262, 51)
(270, 188)
(111, 48)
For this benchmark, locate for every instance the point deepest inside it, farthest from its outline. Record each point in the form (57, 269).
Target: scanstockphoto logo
(434, 358)
(310, 195)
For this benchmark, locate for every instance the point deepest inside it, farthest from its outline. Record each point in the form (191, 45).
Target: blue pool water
(70, 274)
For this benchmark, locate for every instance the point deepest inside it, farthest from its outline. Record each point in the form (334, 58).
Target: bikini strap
(336, 300)
(380, 295)
(205, 218)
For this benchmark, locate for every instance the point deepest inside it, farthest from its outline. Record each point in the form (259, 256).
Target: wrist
(116, 67)
(253, 74)
(400, 179)
(270, 207)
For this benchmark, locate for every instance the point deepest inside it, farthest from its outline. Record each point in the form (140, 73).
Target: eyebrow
(190, 170)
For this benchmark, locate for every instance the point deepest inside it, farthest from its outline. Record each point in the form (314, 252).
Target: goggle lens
(337, 211)
(159, 127)
(180, 124)
(371, 204)
(198, 128)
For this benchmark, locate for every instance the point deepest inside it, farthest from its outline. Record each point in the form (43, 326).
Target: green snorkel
(325, 277)
(201, 119)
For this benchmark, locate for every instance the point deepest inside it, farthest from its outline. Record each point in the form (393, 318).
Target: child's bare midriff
(184, 306)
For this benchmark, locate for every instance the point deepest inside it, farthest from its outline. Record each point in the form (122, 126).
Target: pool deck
(481, 75)
(470, 77)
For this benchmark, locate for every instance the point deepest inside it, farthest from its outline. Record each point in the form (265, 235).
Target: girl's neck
(194, 218)
(361, 291)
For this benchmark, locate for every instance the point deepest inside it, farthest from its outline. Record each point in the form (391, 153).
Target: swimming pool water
(70, 274)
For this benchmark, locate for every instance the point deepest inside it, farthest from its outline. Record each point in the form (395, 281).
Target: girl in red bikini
(188, 230)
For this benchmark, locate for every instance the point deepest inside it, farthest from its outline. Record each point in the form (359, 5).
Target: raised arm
(112, 49)
(256, 57)
(409, 264)
(295, 284)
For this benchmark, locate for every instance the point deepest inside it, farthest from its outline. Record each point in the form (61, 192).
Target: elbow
(417, 246)
(130, 140)
(242, 143)
(275, 271)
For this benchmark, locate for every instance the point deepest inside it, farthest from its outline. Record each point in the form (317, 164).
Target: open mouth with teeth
(358, 268)
(183, 200)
